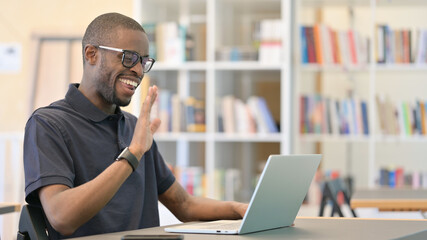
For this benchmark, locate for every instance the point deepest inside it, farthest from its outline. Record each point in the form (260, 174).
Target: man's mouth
(129, 82)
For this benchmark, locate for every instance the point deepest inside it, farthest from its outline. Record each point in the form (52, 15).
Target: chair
(32, 224)
(331, 189)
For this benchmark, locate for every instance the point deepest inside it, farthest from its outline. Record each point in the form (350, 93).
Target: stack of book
(320, 44)
(270, 43)
(401, 45)
(179, 115)
(402, 118)
(192, 179)
(170, 42)
(323, 115)
(236, 116)
(395, 177)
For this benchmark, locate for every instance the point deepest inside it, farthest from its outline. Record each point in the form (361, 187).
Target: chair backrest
(331, 189)
(32, 224)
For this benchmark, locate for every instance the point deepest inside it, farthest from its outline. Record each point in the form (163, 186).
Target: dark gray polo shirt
(71, 142)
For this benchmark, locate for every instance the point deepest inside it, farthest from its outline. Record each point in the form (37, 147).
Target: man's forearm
(208, 209)
(69, 208)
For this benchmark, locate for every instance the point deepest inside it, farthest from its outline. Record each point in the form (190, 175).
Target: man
(95, 168)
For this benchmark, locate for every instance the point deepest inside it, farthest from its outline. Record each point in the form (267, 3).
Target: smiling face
(113, 84)
(117, 83)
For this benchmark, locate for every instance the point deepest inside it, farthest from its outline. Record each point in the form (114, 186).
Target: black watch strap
(132, 160)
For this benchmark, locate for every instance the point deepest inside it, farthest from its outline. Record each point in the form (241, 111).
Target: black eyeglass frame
(124, 51)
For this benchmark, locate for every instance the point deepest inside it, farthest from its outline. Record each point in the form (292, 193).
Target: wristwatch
(132, 160)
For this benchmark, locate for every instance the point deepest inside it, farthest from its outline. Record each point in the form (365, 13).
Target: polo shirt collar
(82, 105)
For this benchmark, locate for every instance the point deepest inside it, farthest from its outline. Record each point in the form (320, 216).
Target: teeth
(129, 82)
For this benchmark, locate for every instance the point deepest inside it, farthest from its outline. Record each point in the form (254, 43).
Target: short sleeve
(164, 176)
(46, 158)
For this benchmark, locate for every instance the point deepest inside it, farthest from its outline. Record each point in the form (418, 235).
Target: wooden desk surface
(386, 199)
(307, 228)
(9, 207)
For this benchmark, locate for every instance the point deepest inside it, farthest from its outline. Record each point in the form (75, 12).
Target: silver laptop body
(275, 202)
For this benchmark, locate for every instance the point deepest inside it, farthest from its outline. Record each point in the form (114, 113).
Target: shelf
(363, 3)
(402, 3)
(173, 137)
(378, 67)
(256, 137)
(401, 67)
(223, 65)
(218, 137)
(401, 139)
(357, 138)
(366, 3)
(196, 66)
(336, 67)
(342, 3)
(251, 5)
(249, 65)
(333, 138)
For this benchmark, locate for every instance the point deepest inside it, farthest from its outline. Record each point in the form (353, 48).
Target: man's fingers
(149, 101)
(155, 124)
(154, 94)
(146, 106)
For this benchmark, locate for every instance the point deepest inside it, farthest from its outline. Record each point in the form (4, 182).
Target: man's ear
(90, 54)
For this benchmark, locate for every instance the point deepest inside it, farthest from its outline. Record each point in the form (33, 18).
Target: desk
(386, 199)
(9, 207)
(307, 228)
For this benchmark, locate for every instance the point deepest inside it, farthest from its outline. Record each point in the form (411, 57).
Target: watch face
(124, 153)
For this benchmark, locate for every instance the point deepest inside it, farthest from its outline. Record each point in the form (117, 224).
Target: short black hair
(100, 30)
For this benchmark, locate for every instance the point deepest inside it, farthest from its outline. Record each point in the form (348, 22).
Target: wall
(19, 21)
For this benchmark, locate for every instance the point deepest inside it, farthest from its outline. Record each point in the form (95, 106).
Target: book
(170, 42)
(176, 113)
(353, 46)
(228, 117)
(270, 49)
(195, 115)
(318, 43)
(311, 49)
(303, 112)
(421, 50)
(267, 116)
(423, 116)
(150, 30)
(244, 120)
(254, 106)
(326, 44)
(407, 118)
(380, 44)
(400, 118)
(364, 109)
(164, 110)
(304, 49)
(344, 47)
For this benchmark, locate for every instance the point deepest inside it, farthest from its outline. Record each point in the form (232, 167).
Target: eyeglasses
(131, 58)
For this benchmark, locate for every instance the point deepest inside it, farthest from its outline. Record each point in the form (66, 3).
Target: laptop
(275, 202)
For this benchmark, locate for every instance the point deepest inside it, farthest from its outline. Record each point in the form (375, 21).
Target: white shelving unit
(359, 155)
(228, 25)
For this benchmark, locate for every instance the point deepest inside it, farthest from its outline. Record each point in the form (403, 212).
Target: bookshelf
(359, 155)
(229, 57)
(231, 61)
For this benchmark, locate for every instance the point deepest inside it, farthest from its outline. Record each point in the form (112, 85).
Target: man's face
(115, 83)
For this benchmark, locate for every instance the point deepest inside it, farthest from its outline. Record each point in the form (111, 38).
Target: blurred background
(240, 80)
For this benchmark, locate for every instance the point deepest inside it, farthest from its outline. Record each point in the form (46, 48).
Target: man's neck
(97, 100)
